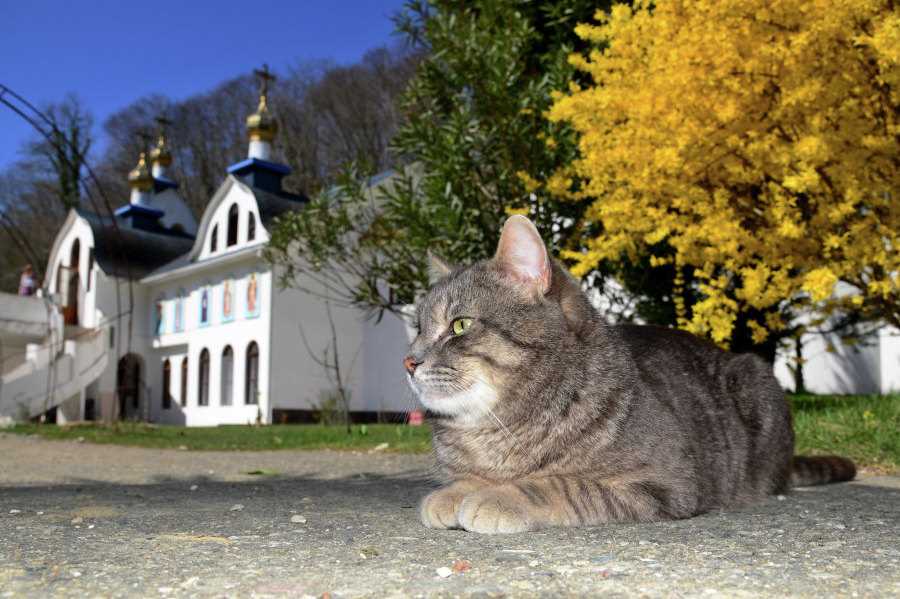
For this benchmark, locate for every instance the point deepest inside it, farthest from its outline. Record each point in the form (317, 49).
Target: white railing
(54, 376)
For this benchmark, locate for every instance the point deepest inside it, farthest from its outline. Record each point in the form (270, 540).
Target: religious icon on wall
(204, 306)
(227, 300)
(179, 311)
(252, 296)
(158, 320)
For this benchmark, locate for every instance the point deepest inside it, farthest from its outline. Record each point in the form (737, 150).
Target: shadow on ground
(358, 535)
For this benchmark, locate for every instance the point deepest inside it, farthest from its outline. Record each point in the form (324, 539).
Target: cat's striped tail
(807, 471)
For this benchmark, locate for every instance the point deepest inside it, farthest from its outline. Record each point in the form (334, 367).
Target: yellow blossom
(820, 283)
(528, 182)
(757, 139)
(510, 211)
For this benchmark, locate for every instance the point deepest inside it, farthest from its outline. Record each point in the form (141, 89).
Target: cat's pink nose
(410, 364)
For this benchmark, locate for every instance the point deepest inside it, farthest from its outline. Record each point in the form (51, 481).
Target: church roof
(271, 204)
(124, 251)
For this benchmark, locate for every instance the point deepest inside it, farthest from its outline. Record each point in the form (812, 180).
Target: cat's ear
(521, 254)
(437, 268)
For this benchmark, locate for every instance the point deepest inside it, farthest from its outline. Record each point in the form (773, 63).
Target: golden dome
(160, 154)
(261, 125)
(140, 177)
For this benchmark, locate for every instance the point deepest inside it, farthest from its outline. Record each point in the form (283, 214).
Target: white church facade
(168, 320)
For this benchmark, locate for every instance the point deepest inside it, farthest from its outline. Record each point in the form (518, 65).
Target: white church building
(150, 315)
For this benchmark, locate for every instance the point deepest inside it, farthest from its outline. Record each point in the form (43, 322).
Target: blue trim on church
(261, 174)
(162, 184)
(136, 209)
(244, 166)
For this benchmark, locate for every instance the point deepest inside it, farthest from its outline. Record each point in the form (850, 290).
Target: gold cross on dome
(264, 77)
(145, 138)
(163, 122)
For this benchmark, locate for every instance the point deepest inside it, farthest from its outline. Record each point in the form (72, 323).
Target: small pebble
(77, 520)
(76, 573)
(15, 511)
(190, 582)
(298, 519)
(40, 513)
(444, 572)
(237, 507)
(182, 447)
(780, 497)
(379, 447)
(90, 526)
(462, 565)
(194, 487)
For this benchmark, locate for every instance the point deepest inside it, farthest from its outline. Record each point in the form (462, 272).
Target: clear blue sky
(110, 53)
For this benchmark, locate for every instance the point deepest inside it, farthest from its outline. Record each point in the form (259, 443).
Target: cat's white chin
(469, 405)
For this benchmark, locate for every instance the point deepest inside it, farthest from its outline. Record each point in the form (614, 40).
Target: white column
(259, 149)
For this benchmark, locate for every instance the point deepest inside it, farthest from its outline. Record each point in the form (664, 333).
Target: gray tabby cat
(543, 415)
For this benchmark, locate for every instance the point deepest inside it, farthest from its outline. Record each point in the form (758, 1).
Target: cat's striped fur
(543, 415)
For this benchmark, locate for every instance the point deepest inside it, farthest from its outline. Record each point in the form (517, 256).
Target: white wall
(77, 230)
(194, 337)
(384, 385)
(889, 344)
(833, 367)
(176, 211)
(296, 379)
(370, 355)
(237, 195)
(115, 313)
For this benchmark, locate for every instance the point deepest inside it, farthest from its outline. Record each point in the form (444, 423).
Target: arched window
(203, 379)
(184, 377)
(128, 385)
(214, 239)
(232, 226)
(251, 226)
(70, 310)
(90, 268)
(166, 383)
(75, 257)
(227, 376)
(251, 374)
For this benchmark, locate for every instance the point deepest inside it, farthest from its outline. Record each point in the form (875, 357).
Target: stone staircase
(52, 374)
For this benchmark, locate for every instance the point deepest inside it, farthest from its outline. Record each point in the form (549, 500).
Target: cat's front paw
(438, 508)
(491, 511)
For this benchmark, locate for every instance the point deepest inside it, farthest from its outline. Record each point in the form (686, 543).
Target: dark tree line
(38, 190)
(328, 116)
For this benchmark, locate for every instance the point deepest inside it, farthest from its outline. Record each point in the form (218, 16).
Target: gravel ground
(79, 519)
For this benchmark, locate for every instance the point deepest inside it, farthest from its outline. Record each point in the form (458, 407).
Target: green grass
(400, 438)
(865, 428)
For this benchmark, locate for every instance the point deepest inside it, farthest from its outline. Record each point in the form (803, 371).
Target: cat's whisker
(503, 427)
(515, 443)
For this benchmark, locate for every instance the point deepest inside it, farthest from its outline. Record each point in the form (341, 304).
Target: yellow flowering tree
(752, 143)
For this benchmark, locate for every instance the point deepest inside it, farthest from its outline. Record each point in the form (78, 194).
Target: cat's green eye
(461, 325)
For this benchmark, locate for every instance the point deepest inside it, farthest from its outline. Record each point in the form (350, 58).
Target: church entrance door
(128, 386)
